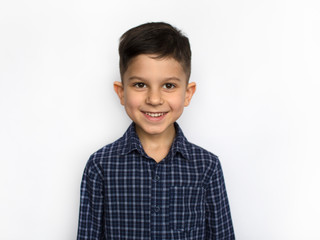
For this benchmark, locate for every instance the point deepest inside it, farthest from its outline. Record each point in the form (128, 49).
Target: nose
(154, 97)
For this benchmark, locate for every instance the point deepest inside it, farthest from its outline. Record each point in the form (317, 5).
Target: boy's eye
(139, 85)
(169, 86)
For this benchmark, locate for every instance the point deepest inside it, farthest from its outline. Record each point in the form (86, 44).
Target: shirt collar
(131, 142)
(180, 143)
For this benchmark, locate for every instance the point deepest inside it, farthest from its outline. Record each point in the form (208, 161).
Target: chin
(154, 130)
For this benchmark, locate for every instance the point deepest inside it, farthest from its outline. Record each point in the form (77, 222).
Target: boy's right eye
(139, 85)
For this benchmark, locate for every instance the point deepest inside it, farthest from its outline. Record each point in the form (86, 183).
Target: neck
(157, 146)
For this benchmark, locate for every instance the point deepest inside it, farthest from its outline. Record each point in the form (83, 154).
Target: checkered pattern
(127, 195)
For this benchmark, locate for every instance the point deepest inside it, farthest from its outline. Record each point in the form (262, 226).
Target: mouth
(155, 114)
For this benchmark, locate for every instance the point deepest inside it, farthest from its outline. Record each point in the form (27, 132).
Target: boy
(152, 183)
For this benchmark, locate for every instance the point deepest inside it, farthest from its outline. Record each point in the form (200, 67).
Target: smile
(158, 114)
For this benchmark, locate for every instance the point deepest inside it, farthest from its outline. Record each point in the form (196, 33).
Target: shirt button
(156, 178)
(156, 208)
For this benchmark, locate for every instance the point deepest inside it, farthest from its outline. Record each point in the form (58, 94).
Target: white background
(256, 64)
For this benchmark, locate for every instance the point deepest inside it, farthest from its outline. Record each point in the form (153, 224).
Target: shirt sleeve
(218, 217)
(91, 216)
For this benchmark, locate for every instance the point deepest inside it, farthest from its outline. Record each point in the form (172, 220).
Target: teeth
(154, 114)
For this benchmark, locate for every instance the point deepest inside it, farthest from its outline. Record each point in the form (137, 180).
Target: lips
(155, 114)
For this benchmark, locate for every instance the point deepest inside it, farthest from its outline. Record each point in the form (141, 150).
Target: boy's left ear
(191, 88)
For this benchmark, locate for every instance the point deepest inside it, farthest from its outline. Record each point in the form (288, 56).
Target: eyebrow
(143, 79)
(136, 78)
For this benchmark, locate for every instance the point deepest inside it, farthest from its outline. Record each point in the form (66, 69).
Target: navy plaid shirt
(125, 194)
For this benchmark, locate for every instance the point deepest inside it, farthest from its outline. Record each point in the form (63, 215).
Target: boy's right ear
(118, 88)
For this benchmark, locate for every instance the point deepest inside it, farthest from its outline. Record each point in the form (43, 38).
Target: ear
(118, 88)
(191, 88)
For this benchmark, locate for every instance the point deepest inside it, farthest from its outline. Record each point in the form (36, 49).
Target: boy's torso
(148, 200)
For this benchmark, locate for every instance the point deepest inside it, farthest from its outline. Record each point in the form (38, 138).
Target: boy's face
(154, 93)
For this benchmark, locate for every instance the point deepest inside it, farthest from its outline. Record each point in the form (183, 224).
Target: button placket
(156, 207)
(156, 178)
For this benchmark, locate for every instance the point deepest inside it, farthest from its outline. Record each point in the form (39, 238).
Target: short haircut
(157, 38)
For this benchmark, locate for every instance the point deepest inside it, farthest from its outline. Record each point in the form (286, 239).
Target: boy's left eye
(168, 85)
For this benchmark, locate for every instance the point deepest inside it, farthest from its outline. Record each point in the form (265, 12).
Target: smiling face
(154, 93)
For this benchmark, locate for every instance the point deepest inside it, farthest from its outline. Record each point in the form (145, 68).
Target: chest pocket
(187, 208)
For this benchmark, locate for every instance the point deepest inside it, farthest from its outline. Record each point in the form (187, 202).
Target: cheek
(177, 102)
(132, 100)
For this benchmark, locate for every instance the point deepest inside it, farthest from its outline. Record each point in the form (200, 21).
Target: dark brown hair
(157, 38)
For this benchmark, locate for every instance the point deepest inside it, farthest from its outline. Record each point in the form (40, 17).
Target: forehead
(150, 67)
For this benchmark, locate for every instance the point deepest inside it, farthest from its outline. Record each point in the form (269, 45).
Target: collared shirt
(125, 194)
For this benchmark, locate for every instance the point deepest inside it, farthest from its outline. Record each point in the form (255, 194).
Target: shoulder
(204, 160)
(197, 153)
(109, 150)
(98, 160)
